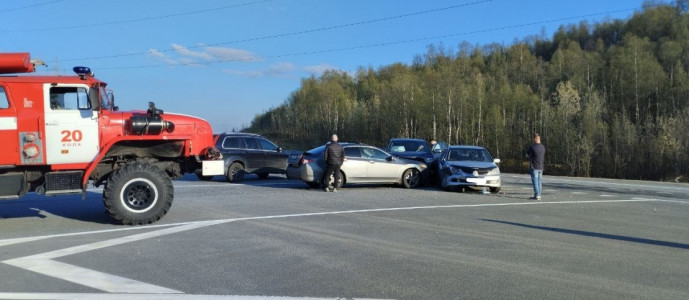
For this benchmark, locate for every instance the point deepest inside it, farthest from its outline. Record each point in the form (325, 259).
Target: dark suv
(416, 149)
(250, 153)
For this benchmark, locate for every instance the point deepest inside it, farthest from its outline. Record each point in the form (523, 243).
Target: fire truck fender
(103, 151)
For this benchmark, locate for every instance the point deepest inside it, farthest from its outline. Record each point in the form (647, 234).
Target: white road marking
(13, 241)
(637, 185)
(605, 195)
(43, 263)
(90, 296)
(94, 279)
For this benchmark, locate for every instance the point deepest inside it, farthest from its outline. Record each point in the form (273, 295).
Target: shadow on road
(90, 209)
(597, 235)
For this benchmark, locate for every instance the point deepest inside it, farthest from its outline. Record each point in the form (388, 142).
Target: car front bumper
(480, 181)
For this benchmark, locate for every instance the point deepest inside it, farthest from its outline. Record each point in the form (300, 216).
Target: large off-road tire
(138, 193)
(411, 178)
(235, 172)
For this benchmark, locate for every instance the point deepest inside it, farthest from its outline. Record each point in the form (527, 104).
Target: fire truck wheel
(138, 193)
(235, 172)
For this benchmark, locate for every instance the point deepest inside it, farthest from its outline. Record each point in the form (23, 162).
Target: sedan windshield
(460, 154)
(409, 146)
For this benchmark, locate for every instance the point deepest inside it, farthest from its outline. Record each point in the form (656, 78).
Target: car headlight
(495, 171)
(454, 170)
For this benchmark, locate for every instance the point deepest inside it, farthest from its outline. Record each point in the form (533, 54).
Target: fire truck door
(71, 125)
(8, 130)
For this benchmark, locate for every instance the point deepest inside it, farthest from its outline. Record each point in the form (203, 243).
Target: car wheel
(263, 175)
(204, 178)
(338, 185)
(138, 193)
(411, 178)
(235, 172)
(495, 189)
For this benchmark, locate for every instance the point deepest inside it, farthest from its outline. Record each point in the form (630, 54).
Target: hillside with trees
(609, 100)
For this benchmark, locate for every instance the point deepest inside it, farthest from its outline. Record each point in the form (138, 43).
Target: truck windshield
(104, 99)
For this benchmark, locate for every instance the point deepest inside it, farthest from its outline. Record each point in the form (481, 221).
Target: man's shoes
(537, 198)
(334, 190)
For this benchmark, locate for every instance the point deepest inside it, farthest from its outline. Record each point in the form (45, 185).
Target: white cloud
(186, 56)
(276, 70)
(160, 55)
(184, 51)
(222, 53)
(280, 69)
(250, 74)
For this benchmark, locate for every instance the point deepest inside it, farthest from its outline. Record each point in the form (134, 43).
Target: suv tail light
(305, 160)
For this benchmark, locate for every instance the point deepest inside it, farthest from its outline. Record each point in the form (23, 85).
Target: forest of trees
(609, 100)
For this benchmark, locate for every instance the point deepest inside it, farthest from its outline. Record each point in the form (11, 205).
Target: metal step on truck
(60, 133)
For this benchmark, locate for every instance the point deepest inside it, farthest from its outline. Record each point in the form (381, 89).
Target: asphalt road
(587, 239)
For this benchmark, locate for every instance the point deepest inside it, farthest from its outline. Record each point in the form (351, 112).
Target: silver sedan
(363, 164)
(464, 166)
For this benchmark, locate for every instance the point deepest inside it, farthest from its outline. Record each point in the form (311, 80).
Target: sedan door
(379, 168)
(354, 166)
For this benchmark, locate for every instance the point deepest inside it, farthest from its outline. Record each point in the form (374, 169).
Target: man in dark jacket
(334, 156)
(536, 154)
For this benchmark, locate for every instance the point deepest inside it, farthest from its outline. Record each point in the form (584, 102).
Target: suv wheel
(235, 172)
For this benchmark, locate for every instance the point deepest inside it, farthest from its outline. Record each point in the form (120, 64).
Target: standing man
(536, 155)
(334, 156)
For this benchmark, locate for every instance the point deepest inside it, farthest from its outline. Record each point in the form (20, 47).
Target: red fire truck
(60, 132)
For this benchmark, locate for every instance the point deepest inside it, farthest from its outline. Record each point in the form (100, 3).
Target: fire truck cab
(59, 133)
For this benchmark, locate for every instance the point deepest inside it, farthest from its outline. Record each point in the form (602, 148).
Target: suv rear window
(233, 143)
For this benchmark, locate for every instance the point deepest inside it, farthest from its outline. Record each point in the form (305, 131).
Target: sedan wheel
(411, 178)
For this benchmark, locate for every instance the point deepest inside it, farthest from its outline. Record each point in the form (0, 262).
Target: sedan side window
(373, 153)
(267, 145)
(252, 143)
(233, 143)
(352, 152)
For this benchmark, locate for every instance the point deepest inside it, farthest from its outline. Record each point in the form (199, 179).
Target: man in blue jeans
(536, 155)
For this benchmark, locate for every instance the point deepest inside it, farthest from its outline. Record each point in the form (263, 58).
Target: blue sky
(228, 60)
